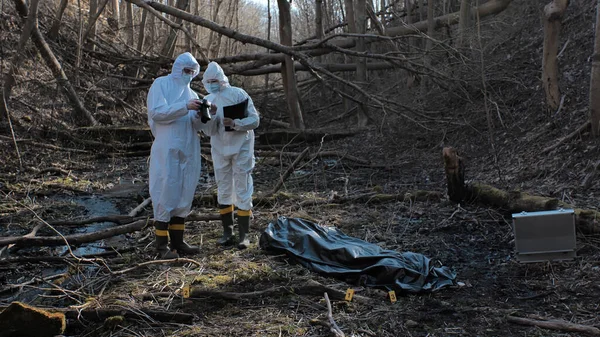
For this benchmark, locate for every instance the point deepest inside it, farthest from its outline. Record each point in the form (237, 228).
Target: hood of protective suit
(185, 60)
(214, 72)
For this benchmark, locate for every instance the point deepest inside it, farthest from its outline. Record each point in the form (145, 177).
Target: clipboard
(236, 111)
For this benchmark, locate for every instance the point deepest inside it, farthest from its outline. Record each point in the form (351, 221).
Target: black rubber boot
(176, 230)
(161, 240)
(243, 228)
(226, 212)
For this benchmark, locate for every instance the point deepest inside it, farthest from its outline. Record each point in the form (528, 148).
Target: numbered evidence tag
(392, 296)
(349, 294)
(185, 292)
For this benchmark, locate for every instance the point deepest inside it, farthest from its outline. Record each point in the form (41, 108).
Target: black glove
(204, 111)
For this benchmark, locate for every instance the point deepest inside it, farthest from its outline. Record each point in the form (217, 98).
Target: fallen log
(118, 219)
(20, 319)
(284, 136)
(74, 239)
(321, 154)
(336, 67)
(559, 325)
(486, 9)
(586, 220)
(76, 259)
(123, 134)
(101, 314)
(310, 288)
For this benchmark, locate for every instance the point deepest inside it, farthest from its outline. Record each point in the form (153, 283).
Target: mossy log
(586, 220)
(19, 319)
(512, 201)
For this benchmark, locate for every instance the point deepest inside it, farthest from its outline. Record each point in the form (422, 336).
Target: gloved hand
(203, 111)
(193, 104)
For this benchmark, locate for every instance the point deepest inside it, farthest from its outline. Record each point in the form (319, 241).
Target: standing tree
(464, 21)
(361, 64)
(288, 73)
(595, 80)
(169, 47)
(213, 48)
(92, 25)
(18, 58)
(553, 13)
(129, 28)
(142, 31)
(113, 21)
(53, 33)
(428, 44)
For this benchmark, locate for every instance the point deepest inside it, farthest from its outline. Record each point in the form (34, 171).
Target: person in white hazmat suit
(232, 153)
(175, 155)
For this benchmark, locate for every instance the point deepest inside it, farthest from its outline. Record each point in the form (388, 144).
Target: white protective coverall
(175, 155)
(232, 152)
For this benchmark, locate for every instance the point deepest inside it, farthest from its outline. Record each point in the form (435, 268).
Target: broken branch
(559, 325)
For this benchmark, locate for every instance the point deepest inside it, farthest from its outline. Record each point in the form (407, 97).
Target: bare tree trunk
(350, 16)
(169, 46)
(288, 73)
(92, 24)
(319, 32)
(351, 20)
(113, 21)
(151, 32)
(142, 32)
(129, 29)
(56, 68)
(595, 80)
(229, 20)
(553, 13)
(189, 46)
(53, 33)
(464, 22)
(428, 45)
(374, 21)
(361, 63)
(409, 20)
(266, 95)
(422, 12)
(92, 21)
(18, 58)
(212, 53)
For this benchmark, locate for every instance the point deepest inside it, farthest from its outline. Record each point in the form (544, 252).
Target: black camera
(204, 111)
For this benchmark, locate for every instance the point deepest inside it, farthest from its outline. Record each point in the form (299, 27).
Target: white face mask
(214, 87)
(186, 78)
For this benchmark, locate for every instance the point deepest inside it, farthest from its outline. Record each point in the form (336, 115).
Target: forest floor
(253, 292)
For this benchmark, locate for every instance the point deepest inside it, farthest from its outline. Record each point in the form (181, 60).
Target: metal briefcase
(545, 235)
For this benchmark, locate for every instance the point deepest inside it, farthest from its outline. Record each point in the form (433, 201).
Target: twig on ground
(335, 329)
(570, 136)
(288, 172)
(139, 208)
(148, 263)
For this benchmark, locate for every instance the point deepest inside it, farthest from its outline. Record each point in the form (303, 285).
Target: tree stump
(455, 174)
